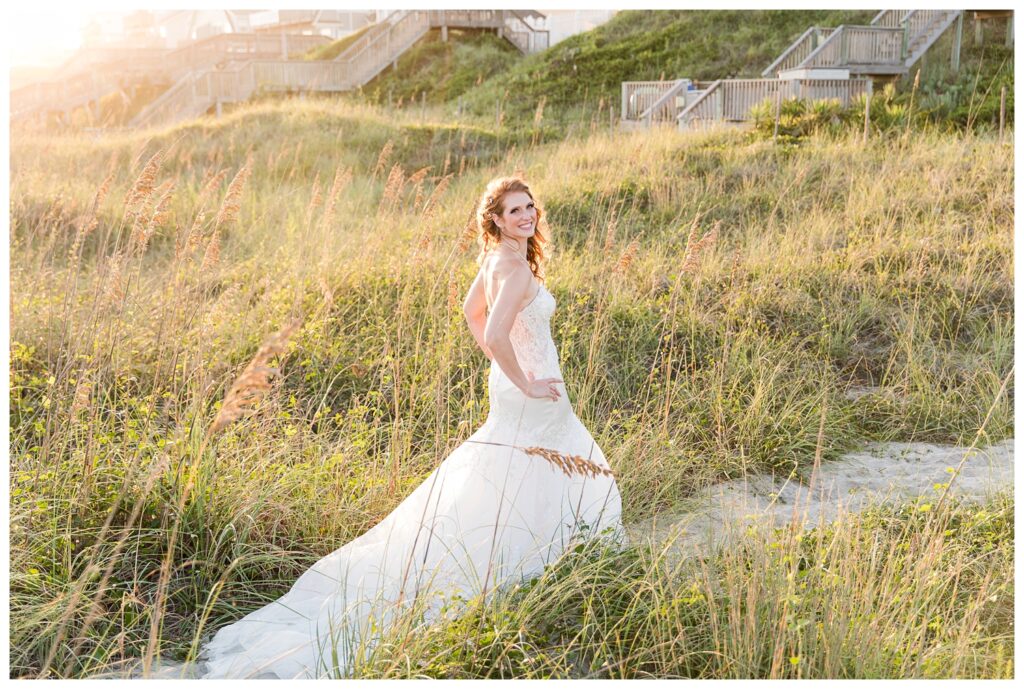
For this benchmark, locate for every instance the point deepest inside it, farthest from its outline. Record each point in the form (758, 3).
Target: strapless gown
(497, 510)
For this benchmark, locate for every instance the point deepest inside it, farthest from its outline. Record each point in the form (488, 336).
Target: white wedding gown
(489, 515)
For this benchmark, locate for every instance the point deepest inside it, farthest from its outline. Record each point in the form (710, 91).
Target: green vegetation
(893, 592)
(719, 296)
(581, 76)
(441, 71)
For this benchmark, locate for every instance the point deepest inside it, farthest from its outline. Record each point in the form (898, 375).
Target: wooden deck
(230, 67)
(810, 68)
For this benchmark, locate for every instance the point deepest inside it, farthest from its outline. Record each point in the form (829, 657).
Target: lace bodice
(531, 336)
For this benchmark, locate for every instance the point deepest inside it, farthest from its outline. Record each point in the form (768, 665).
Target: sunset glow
(44, 37)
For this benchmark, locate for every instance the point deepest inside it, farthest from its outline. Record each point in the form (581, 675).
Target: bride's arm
(475, 310)
(514, 286)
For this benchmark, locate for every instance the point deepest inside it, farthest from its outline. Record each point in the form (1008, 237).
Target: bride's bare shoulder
(501, 266)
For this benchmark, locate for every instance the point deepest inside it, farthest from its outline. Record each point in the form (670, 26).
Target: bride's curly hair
(492, 201)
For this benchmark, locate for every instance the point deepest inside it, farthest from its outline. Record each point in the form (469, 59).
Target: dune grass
(143, 284)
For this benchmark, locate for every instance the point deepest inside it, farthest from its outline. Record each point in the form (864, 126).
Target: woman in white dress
(499, 508)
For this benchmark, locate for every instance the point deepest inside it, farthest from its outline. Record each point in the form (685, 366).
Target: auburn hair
(493, 201)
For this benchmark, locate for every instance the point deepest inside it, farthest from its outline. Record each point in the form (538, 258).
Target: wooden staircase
(822, 63)
(378, 47)
(99, 72)
(230, 68)
(889, 46)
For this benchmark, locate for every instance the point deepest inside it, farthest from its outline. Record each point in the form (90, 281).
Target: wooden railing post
(906, 38)
(955, 57)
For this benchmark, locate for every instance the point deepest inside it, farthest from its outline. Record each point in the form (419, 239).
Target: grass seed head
(569, 464)
(232, 200)
(252, 384)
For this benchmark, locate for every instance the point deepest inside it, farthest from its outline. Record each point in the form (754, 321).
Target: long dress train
(494, 512)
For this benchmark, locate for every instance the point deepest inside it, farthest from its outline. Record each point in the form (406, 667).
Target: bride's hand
(542, 388)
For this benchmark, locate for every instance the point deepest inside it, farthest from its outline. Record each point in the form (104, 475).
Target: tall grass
(143, 284)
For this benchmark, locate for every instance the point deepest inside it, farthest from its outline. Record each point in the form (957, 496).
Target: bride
(499, 508)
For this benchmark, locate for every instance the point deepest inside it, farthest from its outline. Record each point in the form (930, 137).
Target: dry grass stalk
(142, 232)
(691, 238)
(102, 192)
(416, 180)
(113, 283)
(469, 232)
(341, 179)
(695, 251)
(144, 185)
(393, 187)
(382, 159)
(419, 175)
(447, 163)
(194, 236)
(316, 198)
(538, 114)
(232, 200)
(569, 464)
(609, 236)
(86, 225)
(211, 256)
(431, 204)
(627, 257)
(254, 381)
(462, 165)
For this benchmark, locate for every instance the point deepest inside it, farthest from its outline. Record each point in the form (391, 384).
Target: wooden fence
(731, 100)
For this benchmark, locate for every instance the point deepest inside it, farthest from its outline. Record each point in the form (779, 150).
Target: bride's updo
(491, 201)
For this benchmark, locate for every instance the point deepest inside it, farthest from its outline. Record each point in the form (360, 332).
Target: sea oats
(315, 199)
(341, 179)
(144, 185)
(101, 193)
(142, 232)
(416, 180)
(253, 383)
(569, 464)
(609, 236)
(211, 256)
(113, 286)
(382, 159)
(627, 257)
(469, 232)
(393, 188)
(694, 252)
(431, 203)
(232, 200)
(691, 238)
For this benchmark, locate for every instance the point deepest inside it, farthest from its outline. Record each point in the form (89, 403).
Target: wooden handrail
(793, 46)
(648, 114)
(700, 99)
(834, 36)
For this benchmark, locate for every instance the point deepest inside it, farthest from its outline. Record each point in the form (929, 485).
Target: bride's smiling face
(519, 217)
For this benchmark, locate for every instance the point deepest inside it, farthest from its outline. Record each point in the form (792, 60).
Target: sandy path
(880, 472)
